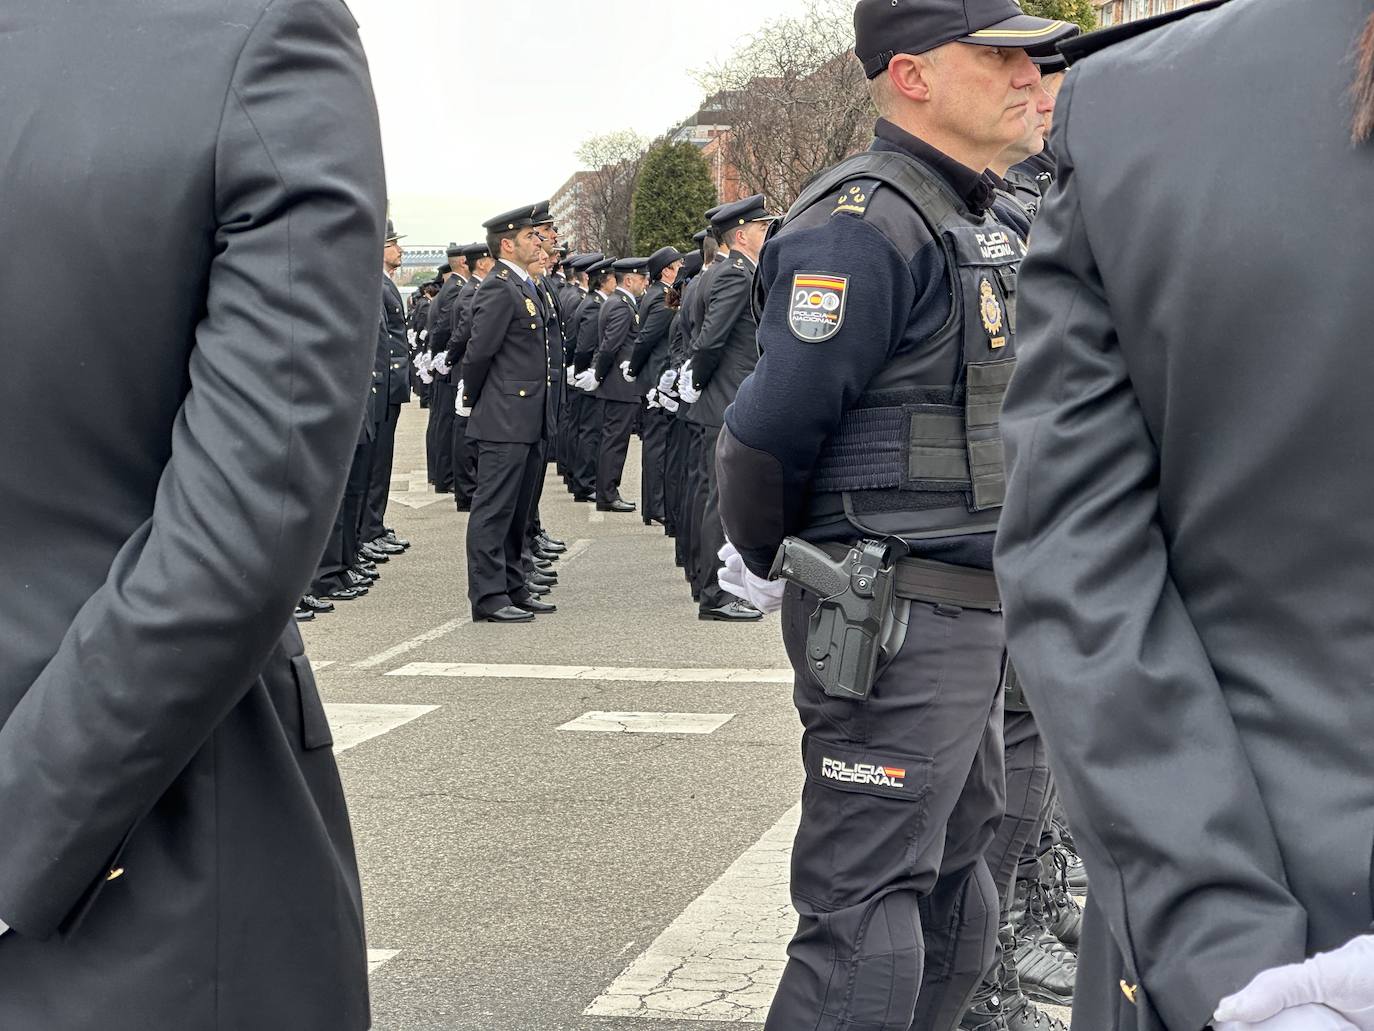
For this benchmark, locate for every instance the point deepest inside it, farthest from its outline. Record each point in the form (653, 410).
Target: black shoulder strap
(922, 188)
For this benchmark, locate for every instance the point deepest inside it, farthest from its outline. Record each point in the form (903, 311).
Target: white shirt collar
(525, 276)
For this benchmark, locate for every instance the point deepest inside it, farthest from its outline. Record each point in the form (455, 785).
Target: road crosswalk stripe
(722, 958)
(634, 674)
(650, 722)
(352, 724)
(376, 957)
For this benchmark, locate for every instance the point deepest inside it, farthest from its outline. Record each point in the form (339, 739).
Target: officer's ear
(907, 78)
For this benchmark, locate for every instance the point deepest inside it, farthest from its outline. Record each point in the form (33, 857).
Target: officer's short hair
(601, 279)
(494, 241)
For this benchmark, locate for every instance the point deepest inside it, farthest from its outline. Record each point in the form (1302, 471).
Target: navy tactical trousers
(897, 909)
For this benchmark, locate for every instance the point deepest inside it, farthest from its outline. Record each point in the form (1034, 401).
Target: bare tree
(796, 100)
(608, 189)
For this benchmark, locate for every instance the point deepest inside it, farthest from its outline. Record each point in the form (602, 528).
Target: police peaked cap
(454, 251)
(691, 265)
(632, 266)
(441, 272)
(520, 218)
(601, 267)
(584, 262)
(473, 251)
(742, 212)
(699, 238)
(391, 234)
(541, 216)
(885, 28)
(661, 259)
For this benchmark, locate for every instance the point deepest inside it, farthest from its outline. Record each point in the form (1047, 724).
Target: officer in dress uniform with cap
(648, 361)
(609, 379)
(587, 331)
(676, 451)
(887, 336)
(503, 392)
(439, 431)
(464, 450)
(724, 351)
(568, 424)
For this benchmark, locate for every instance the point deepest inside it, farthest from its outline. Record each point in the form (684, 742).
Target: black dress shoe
(370, 554)
(367, 567)
(315, 605)
(368, 573)
(398, 542)
(615, 506)
(734, 612)
(303, 615)
(343, 594)
(381, 545)
(542, 579)
(549, 544)
(357, 582)
(536, 606)
(509, 614)
(443, 490)
(582, 497)
(537, 589)
(546, 556)
(542, 563)
(465, 506)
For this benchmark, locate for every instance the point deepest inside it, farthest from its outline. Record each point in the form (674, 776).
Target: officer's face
(526, 247)
(984, 95)
(548, 237)
(669, 275)
(636, 284)
(392, 255)
(459, 265)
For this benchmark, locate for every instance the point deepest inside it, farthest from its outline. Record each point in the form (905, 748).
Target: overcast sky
(510, 88)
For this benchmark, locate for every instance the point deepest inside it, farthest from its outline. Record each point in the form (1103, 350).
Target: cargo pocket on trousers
(315, 732)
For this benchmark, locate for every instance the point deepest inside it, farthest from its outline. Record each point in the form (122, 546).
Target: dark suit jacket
(394, 351)
(725, 349)
(587, 331)
(1185, 550)
(506, 367)
(617, 323)
(166, 509)
(650, 356)
(461, 331)
(442, 314)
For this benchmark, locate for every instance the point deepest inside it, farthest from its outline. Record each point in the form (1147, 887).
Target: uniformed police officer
(569, 425)
(504, 393)
(648, 361)
(887, 339)
(724, 351)
(586, 331)
(464, 450)
(677, 446)
(439, 327)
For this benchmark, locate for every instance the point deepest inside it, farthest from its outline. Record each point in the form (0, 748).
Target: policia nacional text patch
(817, 309)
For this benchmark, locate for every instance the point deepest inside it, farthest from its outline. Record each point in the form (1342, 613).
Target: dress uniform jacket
(506, 366)
(586, 331)
(457, 342)
(1189, 526)
(167, 507)
(397, 356)
(651, 351)
(618, 322)
(442, 315)
(725, 349)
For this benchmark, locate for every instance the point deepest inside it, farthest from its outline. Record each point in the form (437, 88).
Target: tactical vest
(912, 458)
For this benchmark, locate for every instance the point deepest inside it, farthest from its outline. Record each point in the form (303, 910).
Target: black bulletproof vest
(918, 459)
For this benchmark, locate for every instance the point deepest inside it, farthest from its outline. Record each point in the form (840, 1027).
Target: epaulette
(1086, 45)
(504, 273)
(739, 263)
(854, 197)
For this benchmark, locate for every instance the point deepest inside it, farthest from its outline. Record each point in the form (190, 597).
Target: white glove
(458, 403)
(411, 336)
(422, 336)
(625, 371)
(735, 577)
(652, 398)
(667, 381)
(572, 376)
(425, 376)
(668, 403)
(587, 381)
(1341, 981)
(1307, 1017)
(686, 389)
(440, 364)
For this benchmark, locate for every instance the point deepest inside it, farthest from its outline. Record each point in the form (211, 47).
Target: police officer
(887, 339)
(676, 448)
(568, 424)
(504, 393)
(464, 450)
(439, 327)
(649, 360)
(609, 379)
(589, 414)
(724, 351)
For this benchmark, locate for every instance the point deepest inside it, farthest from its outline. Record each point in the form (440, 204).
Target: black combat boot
(1063, 917)
(1019, 1013)
(985, 1012)
(1046, 968)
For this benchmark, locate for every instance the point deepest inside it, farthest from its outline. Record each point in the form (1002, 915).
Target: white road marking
(722, 958)
(353, 724)
(633, 674)
(376, 957)
(321, 664)
(650, 722)
(575, 549)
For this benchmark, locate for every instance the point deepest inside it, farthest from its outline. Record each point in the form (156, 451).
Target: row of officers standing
(527, 354)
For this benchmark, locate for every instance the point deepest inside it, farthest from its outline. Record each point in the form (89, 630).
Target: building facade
(1118, 12)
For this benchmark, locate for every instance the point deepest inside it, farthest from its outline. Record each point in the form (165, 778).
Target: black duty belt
(938, 583)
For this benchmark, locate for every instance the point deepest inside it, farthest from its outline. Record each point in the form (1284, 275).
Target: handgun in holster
(845, 639)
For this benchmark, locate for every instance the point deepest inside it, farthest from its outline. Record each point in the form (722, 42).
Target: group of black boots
(361, 576)
(1037, 961)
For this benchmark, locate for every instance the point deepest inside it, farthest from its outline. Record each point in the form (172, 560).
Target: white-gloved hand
(735, 577)
(1307, 1017)
(422, 336)
(686, 389)
(1341, 981)
(440, 364)
(458, 406)
(572, 376)
(412, 336)
(652, 398)
(668, 381)
(625, 371)
(587, 381)
(425, 376)
(669, 404)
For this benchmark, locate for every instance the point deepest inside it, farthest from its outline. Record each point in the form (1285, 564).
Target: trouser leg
(674, 487)
(712, 534)
(501, 472)
(653, 462)
(431, 429)
(443, 437)
(464, 464)
(517, 539)
(588, 447)
(379, 484)
(889, 802)
(696, 505)
(617, 423)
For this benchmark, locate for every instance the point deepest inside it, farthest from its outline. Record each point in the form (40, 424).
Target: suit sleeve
(1160, 793)
(493, 310)
(653, 327)
(619, 327)
(462, 328)
(588, 331)
(197, 599)
(728, 300)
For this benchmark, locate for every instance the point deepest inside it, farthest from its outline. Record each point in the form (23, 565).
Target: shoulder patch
(503, 273)
(853, 196)
(815, 312)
